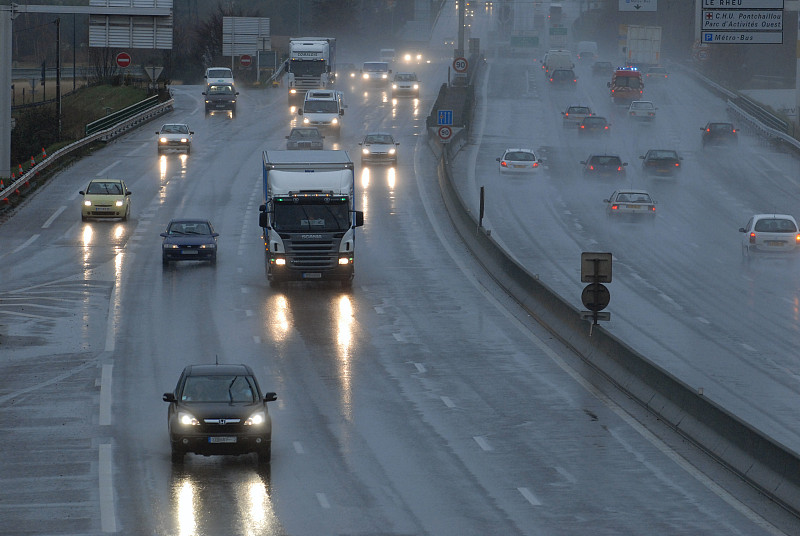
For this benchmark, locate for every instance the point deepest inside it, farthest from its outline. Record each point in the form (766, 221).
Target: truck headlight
(162, 140)
(384, 76)
(306, 120)
(292, 91)
(394, 86)
(343, 261)
(335, 121)
(407, 57)
(365, 76)
(279, 261)
(365, 150)
(184, 140)
(392, 150)
(416, 86)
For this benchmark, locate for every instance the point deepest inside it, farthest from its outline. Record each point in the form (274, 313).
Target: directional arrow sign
(638, 5)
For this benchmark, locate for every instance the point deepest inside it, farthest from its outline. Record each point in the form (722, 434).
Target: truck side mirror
(263, 219)
(299, 111)
(359, 218)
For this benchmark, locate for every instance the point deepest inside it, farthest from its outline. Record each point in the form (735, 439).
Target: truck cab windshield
(314, 215)
(307, 68)
(320, 107)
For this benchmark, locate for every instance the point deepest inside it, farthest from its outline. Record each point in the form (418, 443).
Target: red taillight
(677, 164)
(653, 208)
(734, 131)
(619, 168)
(591, 167)
(551, 79)
(752, 238)
(614, 207)
(503, 164)
(583, 126)
(708, 130)
(566, 114)
(797, 239)
(535, 164)
(605, 127)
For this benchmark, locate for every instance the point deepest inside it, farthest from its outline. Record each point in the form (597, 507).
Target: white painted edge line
(298, 447)
(55, 215)
(420, 368)
(27, 243)
(483, 443)
(108, 519)
(111, 325)
(105, 395)
(447, 402)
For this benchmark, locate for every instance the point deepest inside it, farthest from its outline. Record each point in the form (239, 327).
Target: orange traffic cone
(13, 178)
(20, 169)
(2, 186)
(44, 153)
(33, 162)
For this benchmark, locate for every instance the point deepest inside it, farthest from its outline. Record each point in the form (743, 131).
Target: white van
(387, 54)
(376, 72)
(557, 59)
(587, 51)
(218, 75)
(323, 108)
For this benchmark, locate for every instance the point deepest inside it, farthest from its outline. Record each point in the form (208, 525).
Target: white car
(379, 147)
(770, 233)
(630, 202)
(174, 136)
(574, 115)
(642, 110)
(517, 160)
(405, 84)
(218, 75)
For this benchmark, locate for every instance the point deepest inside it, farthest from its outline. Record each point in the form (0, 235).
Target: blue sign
(445, 117)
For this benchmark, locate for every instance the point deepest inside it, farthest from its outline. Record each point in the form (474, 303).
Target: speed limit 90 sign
(460, 65)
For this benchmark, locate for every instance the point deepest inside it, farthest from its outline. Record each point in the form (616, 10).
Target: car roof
(773, 216)
(189, 220)
(378, 134)
(407, 72)
(604, 156)
(518, 149)
(632, 192)
(105, 180)
(218, 370)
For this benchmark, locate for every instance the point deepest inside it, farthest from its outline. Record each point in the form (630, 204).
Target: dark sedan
(719, 134)
(189, 240)
(604, 164)
(661, 162)
(305, 138)
(594, 124)
(219, 409)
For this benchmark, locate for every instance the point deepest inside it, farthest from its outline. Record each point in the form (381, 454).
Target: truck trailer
(308, 217)
(310, 66)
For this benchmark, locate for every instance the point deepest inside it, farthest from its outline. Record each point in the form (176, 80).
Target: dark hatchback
(219, 410)
(189, 240)
(661, 162)
(594, 124)
(305, 138)
(220, 97)
(565, 77)
(719, 134)
(604, 164)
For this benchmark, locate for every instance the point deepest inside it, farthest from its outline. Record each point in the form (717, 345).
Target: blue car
(189, 240)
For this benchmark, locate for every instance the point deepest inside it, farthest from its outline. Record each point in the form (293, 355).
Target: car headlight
(416, 86)
(187, 419)
(256, 418)
(384, 76)
(335, 121)
(184, 140)
(162, 140)
(87, 203)
(365, 150)
(306, 120)
(419, 57)
(207, 246)
(352, 75)
(392, 150)
(292, 91)
(170, 246)
(208, 101)
(407, 57)
(118, 203)
(365, 76)
(394, 86)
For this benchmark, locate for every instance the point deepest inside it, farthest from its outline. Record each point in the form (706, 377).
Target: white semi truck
(308, 217)
(310, 66)
(643, 45)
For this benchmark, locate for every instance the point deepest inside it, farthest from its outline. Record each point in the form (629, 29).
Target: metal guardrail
(110, 132)
(120, 115)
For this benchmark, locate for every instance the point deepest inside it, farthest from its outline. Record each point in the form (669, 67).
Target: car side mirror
(341, 112)
(583, 162)
(742, 230)
(82, 192)
(169, 397)
(608, 84)
(624, 163)
(191, 132)
(203, 93)
(287, 137)
(157, 132)
(214, 235)
(163, 234)
(606, 200)
(642, 157)
(237, 92)
(270, 397)
(498, 158)
(299, 111)
(127, 192)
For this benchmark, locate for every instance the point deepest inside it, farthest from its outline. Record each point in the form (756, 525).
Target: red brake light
(614, 207)
(677, 164)
(734, 131)
(653, 208)
(503, 164)
(619, 168)
(606, 127)
(591, 167)
(797, 239)
(536, 164)
(752, 237)
(583, 126)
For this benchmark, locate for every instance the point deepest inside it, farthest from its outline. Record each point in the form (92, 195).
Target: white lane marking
(567, 476)
(748, 347)
(55, 215)
(248, 312)
(398, 337)
(702, 320)
(103, 171)
(482, 443)
(447, 402)
(256, 339)
(646, 434)
(298, 447)
(529, 496)
(323, 500)
(245, 290)
(378, 310)
(27, 243)
(105, 395)
(108, 519)
(111, 324)
(420, 368)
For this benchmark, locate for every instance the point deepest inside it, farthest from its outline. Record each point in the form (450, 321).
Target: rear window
(578, 110)
(606, 161)
(775, 225)
(519, 156)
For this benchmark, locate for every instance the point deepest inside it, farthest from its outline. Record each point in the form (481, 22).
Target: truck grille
(315, 254)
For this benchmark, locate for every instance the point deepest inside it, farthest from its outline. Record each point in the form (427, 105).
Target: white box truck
(310, 66)
(643, 46)
(308, 217)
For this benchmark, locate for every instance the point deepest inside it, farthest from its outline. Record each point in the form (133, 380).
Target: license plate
(189, 252)
(222, 439)
(102, 209)
(633, 206)
(776, 243)
(520, 166)
(312, 275)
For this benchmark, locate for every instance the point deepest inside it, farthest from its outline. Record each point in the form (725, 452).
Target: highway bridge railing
(110, 131)
(765, 464)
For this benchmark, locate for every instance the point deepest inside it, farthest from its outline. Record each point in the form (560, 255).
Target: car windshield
(658, 70)
(220, 73)
(189, 227)
(289, 216)
(104, 188)
(320, 107)
(578, 110)
(175, 129)
(660, 155)
(220, 90)
(376, 66)
(519, 156)
(606, 161)
(721, 127)
(405, 77)
(379, 138)
(305, 133)
(639, 105)
(628, 81)
(633, 197)
(775, 225)
(219, 388)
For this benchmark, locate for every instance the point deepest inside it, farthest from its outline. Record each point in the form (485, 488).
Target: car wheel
(265, 455)
(177, 455)
(188, 149)
(214, 259)
(84, 218)
(164, 261)
(347, 283)
(127, 214)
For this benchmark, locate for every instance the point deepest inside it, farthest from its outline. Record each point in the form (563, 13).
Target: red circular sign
(245, 60)
(123, 59)
(460, 65)
(445, 132)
